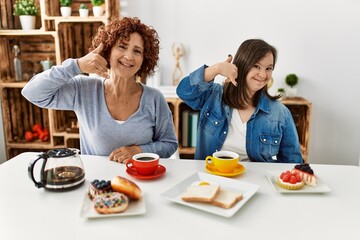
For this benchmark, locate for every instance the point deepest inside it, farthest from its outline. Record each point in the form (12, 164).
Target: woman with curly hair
(118, 116)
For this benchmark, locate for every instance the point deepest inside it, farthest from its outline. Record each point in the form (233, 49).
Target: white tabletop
(27, 212)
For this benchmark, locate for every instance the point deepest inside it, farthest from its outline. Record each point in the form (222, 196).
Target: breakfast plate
(246, 189)
(237, 171)
(136, 207)
(158, 173)
(272, 176)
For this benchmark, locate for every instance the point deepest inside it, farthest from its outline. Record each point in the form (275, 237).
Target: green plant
(65, 3)
(291, 79)
(97, 2)
(26, 7)
(281, 90)
(83, 6)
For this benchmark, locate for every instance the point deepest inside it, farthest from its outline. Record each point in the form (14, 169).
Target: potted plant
(65, 8)
(27, 11)
(281, 92)
(83, 11)
(97, 7)
(291, 80)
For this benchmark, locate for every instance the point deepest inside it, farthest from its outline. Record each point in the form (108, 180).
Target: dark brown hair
(120, 29)
(249, 53)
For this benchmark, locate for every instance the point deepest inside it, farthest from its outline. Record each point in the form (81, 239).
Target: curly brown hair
(120, 29)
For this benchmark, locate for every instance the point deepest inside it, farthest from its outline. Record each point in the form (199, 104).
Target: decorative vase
(84, 12)
(27, 22)
(291, 92)
(98, 11)
(65, 11)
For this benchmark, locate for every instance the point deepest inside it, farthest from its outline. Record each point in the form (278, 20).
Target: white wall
(316, 39)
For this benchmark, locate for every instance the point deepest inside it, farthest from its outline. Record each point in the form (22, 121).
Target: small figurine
(178, 51)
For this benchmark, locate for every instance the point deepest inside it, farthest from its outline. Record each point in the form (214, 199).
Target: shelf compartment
(8, 20)
(20, 115)
(33, 49)
(111, 8)
(63, 120)
(76, 38)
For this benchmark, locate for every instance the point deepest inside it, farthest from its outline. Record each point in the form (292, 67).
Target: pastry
(98, 187)
(113, 202)
(126, 186)
(306, 173)
(290, 181)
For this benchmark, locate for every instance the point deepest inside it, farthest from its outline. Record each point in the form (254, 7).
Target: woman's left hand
(124, 154)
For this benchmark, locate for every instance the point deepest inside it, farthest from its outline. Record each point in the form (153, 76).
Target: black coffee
(145, 158)
(68, 175)
(225, 157)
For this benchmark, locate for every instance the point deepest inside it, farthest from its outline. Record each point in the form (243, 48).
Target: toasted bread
(226, 199)
(205, 193)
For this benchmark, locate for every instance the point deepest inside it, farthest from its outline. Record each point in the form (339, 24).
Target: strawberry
(286, 178)
(298, 178)
(293, 179)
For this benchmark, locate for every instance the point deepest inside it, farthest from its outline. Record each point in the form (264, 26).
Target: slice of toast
(204, 194)
(226, 199)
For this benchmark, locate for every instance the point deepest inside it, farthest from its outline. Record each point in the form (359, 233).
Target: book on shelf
(193, 122)
(189, 125)
(185, 128)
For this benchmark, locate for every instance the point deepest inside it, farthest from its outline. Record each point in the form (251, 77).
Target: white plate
(247, 189)
(136, 207)
(272, 176)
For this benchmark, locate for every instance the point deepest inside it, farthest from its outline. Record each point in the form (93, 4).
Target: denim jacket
(271, 134)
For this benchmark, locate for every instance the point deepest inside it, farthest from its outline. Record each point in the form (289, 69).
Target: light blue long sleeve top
(65, 88)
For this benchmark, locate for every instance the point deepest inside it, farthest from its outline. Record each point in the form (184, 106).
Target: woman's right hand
(226, 69)
(93, 62)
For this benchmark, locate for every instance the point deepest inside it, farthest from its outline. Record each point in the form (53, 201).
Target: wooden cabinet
(55, 38)
(300, 109)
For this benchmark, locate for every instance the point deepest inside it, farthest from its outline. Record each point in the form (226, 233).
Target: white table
(30, 213)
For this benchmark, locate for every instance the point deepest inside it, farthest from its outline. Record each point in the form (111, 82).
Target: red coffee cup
(144, 163)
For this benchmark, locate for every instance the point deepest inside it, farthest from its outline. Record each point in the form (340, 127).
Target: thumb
(229, 58)
(99, 48)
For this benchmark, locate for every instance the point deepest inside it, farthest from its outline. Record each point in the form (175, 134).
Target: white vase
(291, 92)
(98, 11)
(84, 12)
(27, 22)
(65, 11)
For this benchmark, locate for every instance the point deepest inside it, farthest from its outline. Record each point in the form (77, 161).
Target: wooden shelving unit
(300, 109)
(55, 38)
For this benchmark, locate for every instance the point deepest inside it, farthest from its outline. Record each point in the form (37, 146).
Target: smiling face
(126, 58)
(260, 74)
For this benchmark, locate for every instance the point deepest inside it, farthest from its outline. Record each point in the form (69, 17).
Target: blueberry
(310, 171)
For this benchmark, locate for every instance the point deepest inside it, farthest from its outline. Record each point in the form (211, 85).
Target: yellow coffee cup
(223, 161)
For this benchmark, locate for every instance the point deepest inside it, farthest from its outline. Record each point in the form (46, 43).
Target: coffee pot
(61, 169)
